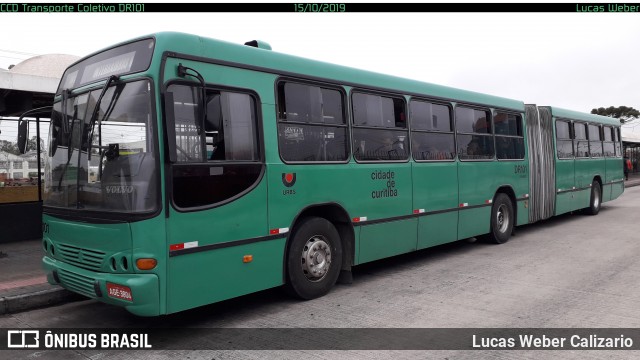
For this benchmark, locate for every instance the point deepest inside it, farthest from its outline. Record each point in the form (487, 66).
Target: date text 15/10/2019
(310, 7)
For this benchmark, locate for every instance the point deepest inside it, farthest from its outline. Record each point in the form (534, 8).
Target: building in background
(28, 85)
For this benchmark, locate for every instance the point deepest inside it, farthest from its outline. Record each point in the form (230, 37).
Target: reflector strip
(418, 211)
(176, 247)
(359, 219)
(464, 204)
(187, 245)
(279, 231)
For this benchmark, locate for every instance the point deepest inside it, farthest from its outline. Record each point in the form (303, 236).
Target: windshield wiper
(96, 109)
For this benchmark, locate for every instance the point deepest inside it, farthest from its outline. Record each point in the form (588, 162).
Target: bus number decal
(520, 169)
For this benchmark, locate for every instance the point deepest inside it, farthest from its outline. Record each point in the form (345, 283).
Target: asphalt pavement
(23, 284)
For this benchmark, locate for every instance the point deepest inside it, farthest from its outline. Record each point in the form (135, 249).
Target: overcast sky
(573, 60)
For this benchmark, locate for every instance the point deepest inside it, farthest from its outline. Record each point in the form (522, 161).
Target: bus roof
(576, 115)
(267, 60)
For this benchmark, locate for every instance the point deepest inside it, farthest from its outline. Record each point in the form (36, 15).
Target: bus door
(217, 230)
(565, 167)
(477, 171)
(434, 173)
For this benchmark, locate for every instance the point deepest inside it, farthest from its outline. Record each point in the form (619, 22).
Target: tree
(623, 113)
(9, 147)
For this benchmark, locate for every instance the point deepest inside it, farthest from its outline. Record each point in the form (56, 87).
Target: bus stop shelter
(631, 142)
(28, 85)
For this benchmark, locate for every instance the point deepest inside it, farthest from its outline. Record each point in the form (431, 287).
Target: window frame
(345, 115)
(421, 131)
(169, 172)
(576, 140)
(571, 137)
(353, 126)
(496, 135)
(487, 111)
(610, 129)
(600, 140)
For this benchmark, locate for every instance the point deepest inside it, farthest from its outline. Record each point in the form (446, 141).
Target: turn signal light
(247, 258)
(146, 264)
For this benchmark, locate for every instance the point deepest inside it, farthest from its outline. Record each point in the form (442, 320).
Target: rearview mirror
(23, 136)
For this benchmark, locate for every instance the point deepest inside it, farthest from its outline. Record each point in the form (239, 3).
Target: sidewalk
(23, 284)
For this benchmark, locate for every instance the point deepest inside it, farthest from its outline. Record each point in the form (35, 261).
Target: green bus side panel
(205, 277)
(565, 180)
(356, 247)
(564, 203)
(606, 192)
(474, 222)
(435, 188)
(617, 190)
(150, 241)
(614, 174)
(523, 208)
(260, 82)
(582, 198)
(586, 171)
(437, 229)
(195, 279)
(387, 239)
(374, 191)
(478, 183)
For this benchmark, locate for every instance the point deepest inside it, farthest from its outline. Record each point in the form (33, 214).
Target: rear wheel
(502, 220)
(313, 259)
(596, 199)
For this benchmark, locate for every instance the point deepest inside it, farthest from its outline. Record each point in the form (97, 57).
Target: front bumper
(145, 289)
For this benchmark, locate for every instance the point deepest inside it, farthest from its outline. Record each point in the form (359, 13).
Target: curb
(49, 297)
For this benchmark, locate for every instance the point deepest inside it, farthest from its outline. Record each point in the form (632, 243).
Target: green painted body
(579, 174)
(419, 206)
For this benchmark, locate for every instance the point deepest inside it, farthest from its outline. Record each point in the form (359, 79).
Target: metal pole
(38, 150)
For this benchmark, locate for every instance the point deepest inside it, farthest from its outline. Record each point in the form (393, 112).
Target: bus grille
(77, 283)
(83, 258)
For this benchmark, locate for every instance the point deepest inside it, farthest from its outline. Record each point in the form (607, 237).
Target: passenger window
(224, 160)
(564, 142)
(608, 144)
(431, 131)
(311, 123)
(475, 135)
(380, 128)
(582, 144)
(509, 136)
(595, 141)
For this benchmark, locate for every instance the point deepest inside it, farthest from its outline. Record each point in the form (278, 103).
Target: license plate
(119, 292)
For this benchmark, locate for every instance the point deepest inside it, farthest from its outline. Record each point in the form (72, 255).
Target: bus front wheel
(313, 259)
(502, 219)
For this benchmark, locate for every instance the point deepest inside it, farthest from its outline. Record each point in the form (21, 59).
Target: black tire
(314, 258)
(502, 220)
(596, 199)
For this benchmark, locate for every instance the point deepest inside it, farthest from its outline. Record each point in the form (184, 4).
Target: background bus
(253, 169)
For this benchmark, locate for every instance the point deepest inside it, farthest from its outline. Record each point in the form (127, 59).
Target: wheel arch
(508, 190)
(339, 217)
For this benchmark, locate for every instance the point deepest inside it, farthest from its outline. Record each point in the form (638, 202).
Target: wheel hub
(316, 258)
(502, 218)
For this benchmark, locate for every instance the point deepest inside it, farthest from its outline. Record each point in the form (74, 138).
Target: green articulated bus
(183, 171)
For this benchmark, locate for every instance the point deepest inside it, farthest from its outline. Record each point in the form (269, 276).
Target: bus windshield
(105, 162)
